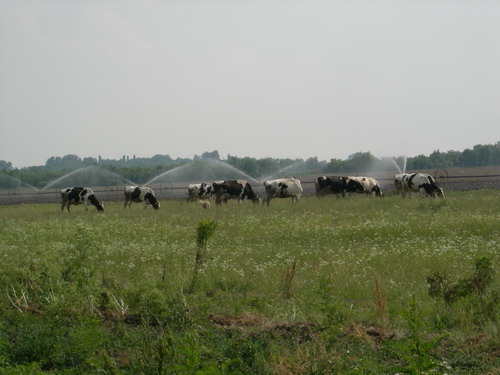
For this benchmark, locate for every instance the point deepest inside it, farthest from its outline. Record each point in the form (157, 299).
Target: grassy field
(329, 286)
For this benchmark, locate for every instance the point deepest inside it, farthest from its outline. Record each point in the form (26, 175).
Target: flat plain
(358, 285)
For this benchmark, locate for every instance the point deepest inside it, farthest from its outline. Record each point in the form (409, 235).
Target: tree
(249, 166)
(484, 154)
(67, 162)
(211, 155)
(360, 161)
(5, 165)
(334, 166)
(312, 163)
(418, 162)
(89, 161)
(437, 160)
(469, 158)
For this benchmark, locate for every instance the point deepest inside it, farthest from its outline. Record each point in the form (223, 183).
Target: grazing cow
(330, 185)
(367, 185)
(79, 195)
(423, 183)
(354, 185)
(372, 187)
(229, 189)
(201, 191)
(399, 184)
(140, 194)
(283, 188)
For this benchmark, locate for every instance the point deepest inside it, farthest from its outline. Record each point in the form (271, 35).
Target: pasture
(358, 286)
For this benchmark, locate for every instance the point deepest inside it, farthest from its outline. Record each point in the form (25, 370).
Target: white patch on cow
(140, 194)
(199, 191)
(233, 189)
(79, 195)
(369, 184)
(283, 188)
(399, 184)
(423, 183)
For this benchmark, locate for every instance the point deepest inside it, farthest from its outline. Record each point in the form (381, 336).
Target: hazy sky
(264, 78)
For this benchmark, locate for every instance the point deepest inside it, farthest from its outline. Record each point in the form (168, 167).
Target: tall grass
(289, 279)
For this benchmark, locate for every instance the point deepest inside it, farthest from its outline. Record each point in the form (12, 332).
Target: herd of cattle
(222, 191)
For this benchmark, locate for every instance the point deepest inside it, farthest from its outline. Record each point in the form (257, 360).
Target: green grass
(107, 293)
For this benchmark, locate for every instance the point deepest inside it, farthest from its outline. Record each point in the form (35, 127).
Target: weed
(287, 279)
(158, 350)
(380, 303)
(415, 352)
(474, 289)
(329, 306)
(205, 230)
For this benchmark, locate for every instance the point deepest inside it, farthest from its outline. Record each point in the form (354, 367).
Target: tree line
(478, 156)
(144, 168)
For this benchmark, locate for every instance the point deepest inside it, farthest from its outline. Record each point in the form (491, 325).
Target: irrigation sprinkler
(441, 174)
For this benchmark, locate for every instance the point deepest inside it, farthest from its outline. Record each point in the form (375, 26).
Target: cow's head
(377, 191)
(440, 193)
(354, 185)
(98, 205)
(150, 197)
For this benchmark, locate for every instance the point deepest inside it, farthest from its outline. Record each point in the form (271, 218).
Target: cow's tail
(64, 199)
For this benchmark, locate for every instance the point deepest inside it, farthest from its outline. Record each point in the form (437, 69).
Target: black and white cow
(140, 194)
(79, 195)
(367, 185)
(283, 188)
(423, 183)
(399, 184)
(233, 189)
(201, 191)
(330, 185)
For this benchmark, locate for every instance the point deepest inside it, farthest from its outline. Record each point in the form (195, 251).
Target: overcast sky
(283, 79)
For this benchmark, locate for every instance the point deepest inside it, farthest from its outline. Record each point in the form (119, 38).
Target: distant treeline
(478, 156)
(142, 169)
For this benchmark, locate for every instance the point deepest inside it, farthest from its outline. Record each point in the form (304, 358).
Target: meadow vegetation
(329, 286)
